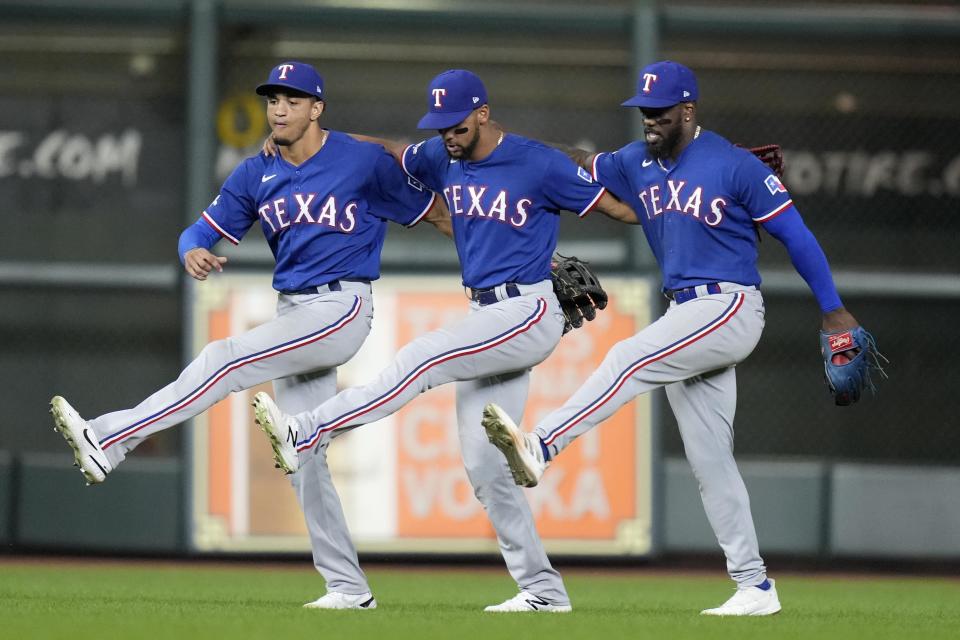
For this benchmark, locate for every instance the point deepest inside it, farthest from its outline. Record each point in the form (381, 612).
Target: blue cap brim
(443, 120)
(273, 87)
(646, 101)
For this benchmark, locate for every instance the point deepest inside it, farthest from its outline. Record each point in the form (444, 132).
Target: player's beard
(667, 143)
(287, 137)
(467, 150)
(283, 140)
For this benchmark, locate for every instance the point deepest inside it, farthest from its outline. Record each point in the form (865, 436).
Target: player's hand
(836, 321)
(199, 262)
(269, 147)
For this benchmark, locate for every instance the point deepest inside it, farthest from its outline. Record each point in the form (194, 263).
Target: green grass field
(77, 600)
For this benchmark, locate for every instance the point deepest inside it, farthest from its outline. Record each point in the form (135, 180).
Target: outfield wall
(808, 509)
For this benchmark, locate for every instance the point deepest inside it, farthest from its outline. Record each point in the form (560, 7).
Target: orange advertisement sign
(401, 481)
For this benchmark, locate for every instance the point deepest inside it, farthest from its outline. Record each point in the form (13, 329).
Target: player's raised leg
(318, 331)
(334, 555)
(701, 335)
(514, 334)
(541, 587)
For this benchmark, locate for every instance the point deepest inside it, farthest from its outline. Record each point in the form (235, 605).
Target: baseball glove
(846, 377)
(578, 290)
(769, 154)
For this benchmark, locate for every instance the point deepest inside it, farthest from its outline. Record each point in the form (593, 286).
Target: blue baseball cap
(293, 75)
(664, 84)
(451, 97)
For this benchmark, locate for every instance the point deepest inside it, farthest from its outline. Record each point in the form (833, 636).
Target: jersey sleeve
(423, 161)
(199, 234)
(233, 211)
(608, 171)
(395, 195)
(760, 192)
(568, 186)
(807, 256)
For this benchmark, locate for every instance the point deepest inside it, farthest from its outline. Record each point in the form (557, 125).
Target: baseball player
(504, 193)
(323, 204)
(700, 199)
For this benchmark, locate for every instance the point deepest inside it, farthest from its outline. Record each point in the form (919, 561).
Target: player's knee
(218, 350)
(216, 357)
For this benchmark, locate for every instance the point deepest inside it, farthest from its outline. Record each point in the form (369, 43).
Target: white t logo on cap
(648, 79)
(436, 96)
(283, 70)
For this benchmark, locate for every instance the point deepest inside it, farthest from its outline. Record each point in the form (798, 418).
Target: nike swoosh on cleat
(366, 604)
(98, 464)
(86, 436)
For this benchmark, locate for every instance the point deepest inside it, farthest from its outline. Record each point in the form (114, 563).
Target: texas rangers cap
(664, 84)
(293, 75)
(451, 97)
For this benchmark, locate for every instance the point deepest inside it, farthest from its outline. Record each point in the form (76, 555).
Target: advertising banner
(401, 480)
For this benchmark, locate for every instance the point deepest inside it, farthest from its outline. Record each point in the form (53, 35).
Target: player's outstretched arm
(610, 206)
(199, 262)
(580, 157)
(439, 216)
(394, 147)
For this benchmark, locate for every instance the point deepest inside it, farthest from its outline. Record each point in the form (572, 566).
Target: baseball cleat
(525, 602)
(337, 600)
(522, 450)
(280, 429)
(87, 453)
(749, 601)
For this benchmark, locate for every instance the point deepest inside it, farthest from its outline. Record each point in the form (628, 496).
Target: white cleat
(87, 453)
(280, 429)
(525, 602)
(522, 450)
(337, 600)
(749, 601)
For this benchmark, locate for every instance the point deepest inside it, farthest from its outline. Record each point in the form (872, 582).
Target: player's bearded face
(289, 117)
(461, 140)
(662, 130)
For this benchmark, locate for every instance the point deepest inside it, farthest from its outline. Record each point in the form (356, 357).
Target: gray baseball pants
(691, 350)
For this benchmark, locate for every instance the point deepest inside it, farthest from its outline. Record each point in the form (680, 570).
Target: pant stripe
(702, 332)
(390, 394)
(205, 386)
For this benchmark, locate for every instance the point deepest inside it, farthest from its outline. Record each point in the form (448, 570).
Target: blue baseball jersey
(698, 214)
(504, 208)
(325, 219)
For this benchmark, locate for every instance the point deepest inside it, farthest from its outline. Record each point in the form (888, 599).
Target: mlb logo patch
(841, 342)
(774, 185)
(583, 174)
